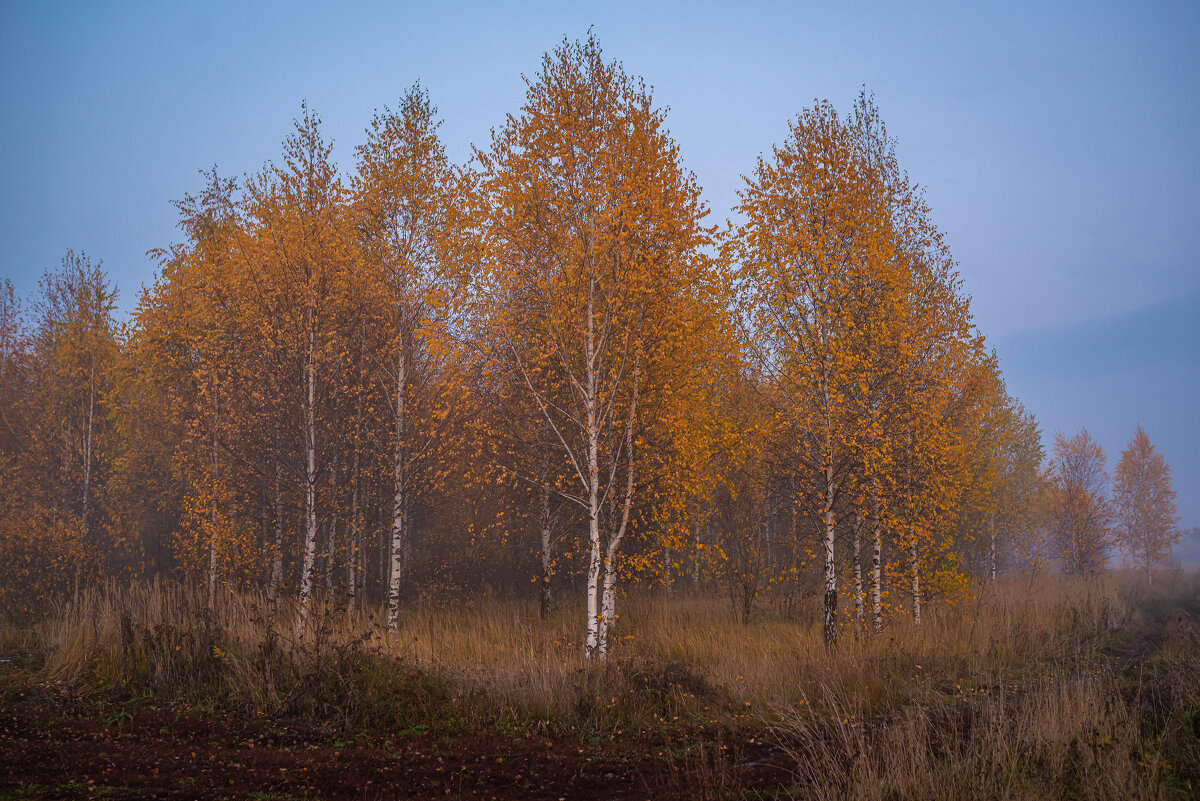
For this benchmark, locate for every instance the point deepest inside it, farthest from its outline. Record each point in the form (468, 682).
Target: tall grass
(1054, 689)
(496, 663)
(1105, 730)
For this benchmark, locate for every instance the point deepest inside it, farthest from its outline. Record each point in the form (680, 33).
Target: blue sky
(1057, 144)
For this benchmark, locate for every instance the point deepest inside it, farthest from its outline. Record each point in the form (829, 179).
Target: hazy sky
(1059, 144)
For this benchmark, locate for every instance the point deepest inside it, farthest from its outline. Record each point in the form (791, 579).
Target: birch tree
(297, 273)
(592, 228)
(401, 196)
(816, 228)
(1147, 523)
(1081, 516)
(76, 345)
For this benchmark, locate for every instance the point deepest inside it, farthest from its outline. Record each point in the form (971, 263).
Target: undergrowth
(1054, 689)
(1124, 726)
(676, 663)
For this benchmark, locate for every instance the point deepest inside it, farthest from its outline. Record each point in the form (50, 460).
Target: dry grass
(681, 660)
(1124, 727)
(1046, 690)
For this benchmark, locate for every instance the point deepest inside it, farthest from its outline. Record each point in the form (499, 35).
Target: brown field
(1051, 689)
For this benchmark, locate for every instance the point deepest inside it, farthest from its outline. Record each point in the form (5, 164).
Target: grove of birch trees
(545, 373)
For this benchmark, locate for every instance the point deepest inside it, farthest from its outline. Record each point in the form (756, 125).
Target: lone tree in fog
(1146, 522)
(1081, 514)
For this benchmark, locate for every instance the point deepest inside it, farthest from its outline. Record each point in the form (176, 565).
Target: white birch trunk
(212, 535)
(830, 571)
(912, 538)
(877, 570)
(608, 605)
(277, 552)
(310, 477)
(331, 526)
(916, 580)
(355, 544)
(608, 613)
(594, 561)
(399, 499)
(87, 452)
(830, 564)
(544, 609)
(68, 443)
(593, 646)
(992, 545)
(858, 576)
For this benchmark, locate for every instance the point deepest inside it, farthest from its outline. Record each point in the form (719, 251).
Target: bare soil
(52, 749)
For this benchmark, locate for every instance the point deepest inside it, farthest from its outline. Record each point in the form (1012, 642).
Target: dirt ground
(51, 749)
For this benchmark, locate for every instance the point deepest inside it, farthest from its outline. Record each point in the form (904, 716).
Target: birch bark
(858, 576)
(277, 552)
(212, 534)
(87, 450)
(877, 567)
(355, 543)
(828, 516)
(544, 609)
(593, 647)
(912, 537)
(992, 538)
(310, 476)
(608, 616)
(400, 497)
